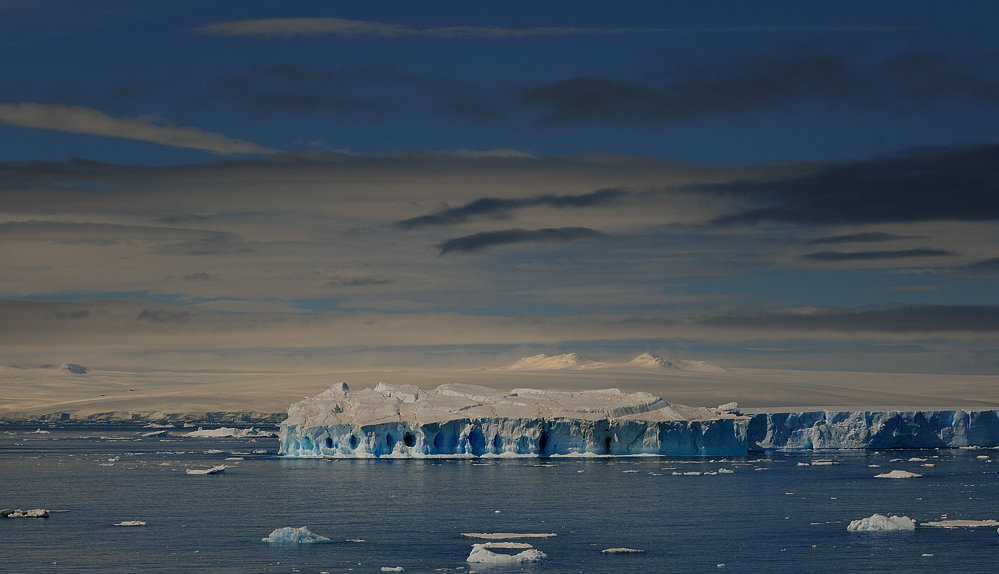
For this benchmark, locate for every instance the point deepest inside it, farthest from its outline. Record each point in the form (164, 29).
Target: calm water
(770, 513)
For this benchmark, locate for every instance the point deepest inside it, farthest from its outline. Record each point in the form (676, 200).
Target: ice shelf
(457, 420)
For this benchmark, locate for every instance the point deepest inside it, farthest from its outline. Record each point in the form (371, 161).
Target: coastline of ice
(468, 421)
(227, 432)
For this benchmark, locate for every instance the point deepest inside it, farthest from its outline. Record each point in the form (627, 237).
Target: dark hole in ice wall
(354, 441)
(497, 444)
(607, 443)
(329, 442)
(408, 439)
(390, 440)
(476, 442)
(542, 443)
(438, 443)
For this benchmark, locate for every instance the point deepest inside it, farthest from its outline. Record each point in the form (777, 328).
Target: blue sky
(703, 179)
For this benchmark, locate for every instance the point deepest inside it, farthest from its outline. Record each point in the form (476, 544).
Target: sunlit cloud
(151, 128)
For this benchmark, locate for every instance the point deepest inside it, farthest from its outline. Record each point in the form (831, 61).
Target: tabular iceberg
(472, 421)
(456, 420)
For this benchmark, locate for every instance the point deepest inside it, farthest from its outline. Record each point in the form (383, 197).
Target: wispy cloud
(486, 239)
(869, 237)
(876, 255)
(288, 27)
(80, 120)
(903, 319)
(498, 208)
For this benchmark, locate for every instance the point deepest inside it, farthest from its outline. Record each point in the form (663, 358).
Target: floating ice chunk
(506, 535)
(155, 433)
(917, 459)
(507, 545)
(31, 513)
(227, 432)
(130, 523)
(393, 569)
(220, 469)
(622, 551)
(482, 555)
(290, 535)
(898, 474)
(725, 471)
(960, 523)
(881, 523)
(39, 431)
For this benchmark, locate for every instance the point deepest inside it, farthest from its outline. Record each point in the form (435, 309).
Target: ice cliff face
(469, 421)
(466, 420)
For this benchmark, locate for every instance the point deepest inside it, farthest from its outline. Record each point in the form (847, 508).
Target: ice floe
(507, 535)
(960, 523)
(291, 535)
(622, 551)
(227, 432)
(220, 469)
(130, 523)
(882, 523)
(898, 474)
(393, 569)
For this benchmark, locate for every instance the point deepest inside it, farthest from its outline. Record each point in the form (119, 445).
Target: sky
(288, 185)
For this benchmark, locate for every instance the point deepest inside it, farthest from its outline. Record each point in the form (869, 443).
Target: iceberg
(481, 554)
(881, 523)
(290, 535)
(130, 523)
(898, 474)
(458, 420)
(960, 523)
(461, 420)
(506, 536)
(226, 432)
(622, 551)
(31, 513)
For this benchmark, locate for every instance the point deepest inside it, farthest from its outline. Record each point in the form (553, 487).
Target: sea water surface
(772, 512)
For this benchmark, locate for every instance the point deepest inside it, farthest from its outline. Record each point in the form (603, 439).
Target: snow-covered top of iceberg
(340, 405)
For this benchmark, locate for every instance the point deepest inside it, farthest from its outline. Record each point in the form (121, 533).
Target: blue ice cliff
(455, 420)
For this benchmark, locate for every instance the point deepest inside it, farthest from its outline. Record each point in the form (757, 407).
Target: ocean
(777, 511)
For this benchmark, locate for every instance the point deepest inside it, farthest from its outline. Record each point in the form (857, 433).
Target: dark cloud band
(876, 255)
(486, 239)
(497, 208)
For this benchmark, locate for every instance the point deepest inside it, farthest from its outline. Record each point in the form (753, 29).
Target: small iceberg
(622, 551)
(881, 523)
(393, 569)
(506, 535)
(481, 554)
(31, 513)
(155, 433)
(130, 523)
(39, 431)
(290, 535)
(898, 474)
(220, 469)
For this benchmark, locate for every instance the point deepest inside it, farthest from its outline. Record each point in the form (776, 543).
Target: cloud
(876, 255)
(748, 82)
(80, 120)
(903, 319)
(339, 282)
(200, 276)
(985, 266)
(923, 185)
(289, 27)
(486, 239)
(498, 208)
(870, 237)
(165, 316)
